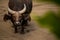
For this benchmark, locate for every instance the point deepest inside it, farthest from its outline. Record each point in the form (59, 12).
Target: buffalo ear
(6, 17)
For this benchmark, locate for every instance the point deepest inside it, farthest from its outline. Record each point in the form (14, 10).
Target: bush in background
(54, 1)
(50, 21)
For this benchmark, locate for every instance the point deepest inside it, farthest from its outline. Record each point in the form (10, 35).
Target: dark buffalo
(19, 13)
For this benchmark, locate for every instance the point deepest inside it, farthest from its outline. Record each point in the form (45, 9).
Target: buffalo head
(16, 15)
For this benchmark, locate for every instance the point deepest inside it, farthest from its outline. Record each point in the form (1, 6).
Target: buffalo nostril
(18, 23)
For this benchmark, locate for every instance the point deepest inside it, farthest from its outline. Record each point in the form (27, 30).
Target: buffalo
(19, 13)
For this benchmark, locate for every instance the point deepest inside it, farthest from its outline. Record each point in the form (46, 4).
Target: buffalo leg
(22, 27)
(26, 23)
(15, 29)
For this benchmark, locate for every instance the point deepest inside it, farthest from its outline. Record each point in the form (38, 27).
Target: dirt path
(36, 33)
(40, 8)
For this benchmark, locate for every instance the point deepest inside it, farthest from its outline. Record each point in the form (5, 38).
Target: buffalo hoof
(16, 32)
(27, 30)
(22, 32)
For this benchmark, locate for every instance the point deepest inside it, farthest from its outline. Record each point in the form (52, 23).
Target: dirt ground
(36, 33)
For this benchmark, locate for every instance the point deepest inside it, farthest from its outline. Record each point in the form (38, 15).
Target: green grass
(50, 21)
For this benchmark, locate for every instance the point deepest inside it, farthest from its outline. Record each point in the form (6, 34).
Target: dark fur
(18, 5)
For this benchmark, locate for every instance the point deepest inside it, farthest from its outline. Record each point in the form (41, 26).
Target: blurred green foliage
(52, 20)
(54, 1)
